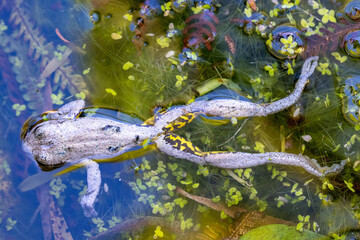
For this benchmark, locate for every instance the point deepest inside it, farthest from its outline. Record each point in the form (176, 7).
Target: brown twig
(232, 211)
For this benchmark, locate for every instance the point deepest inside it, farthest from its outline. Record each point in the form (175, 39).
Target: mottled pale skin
(64, 138)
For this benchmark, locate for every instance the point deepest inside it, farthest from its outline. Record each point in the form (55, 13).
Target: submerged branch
(245, 220)
(232, 211)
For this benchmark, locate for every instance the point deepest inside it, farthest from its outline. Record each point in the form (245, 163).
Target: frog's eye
(39, 134)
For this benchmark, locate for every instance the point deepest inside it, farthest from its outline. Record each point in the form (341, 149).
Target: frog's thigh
(93, 182)
(176, 146)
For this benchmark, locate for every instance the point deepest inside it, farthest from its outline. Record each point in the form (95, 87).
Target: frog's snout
(43, 161)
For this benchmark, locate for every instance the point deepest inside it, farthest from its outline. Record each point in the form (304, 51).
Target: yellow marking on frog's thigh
(186, 117)
(169, 127)
(189, 117)
(191, 146)
(174, 137)
(193, 115)
(194, 150)
(174, 140)
(182, 145)
(188, 145)
(180, 124)
(183, 141)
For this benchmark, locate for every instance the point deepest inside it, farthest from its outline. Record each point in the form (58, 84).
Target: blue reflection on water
(22, 213)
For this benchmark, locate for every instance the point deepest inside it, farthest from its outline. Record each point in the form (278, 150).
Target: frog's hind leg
(93, 181)
(178, 147)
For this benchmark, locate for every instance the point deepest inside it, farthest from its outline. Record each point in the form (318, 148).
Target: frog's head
(40, 158)
(37, 147)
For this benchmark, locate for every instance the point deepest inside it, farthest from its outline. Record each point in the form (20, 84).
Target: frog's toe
(89, 210)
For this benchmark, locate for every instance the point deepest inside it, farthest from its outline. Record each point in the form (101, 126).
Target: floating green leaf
(86, 71)
(111, 91)
(18, 108)
(128, 65)
(158, 232)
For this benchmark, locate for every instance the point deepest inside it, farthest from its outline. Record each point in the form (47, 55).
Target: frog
(64, 136)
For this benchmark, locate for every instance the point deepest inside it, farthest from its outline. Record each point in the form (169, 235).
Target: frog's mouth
(47, 168)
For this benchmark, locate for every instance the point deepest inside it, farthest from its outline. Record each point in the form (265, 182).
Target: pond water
(140, 57)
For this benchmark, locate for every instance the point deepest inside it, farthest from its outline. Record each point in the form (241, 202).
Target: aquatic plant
(200, 29)
(7, 199)
(285, 42)
(329, 41)
(42, 61)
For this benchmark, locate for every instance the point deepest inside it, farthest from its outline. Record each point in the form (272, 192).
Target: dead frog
(66, 136)
(62, 137)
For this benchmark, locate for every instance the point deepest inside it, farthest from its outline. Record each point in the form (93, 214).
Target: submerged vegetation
(141, 56)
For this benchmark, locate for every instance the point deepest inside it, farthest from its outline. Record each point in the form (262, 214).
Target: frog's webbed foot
(334, 169)
(309, 67)
(93, 181)
(89, 210)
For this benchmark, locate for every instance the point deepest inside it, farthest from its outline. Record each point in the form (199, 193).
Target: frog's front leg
(93, 182)
(68, 111)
